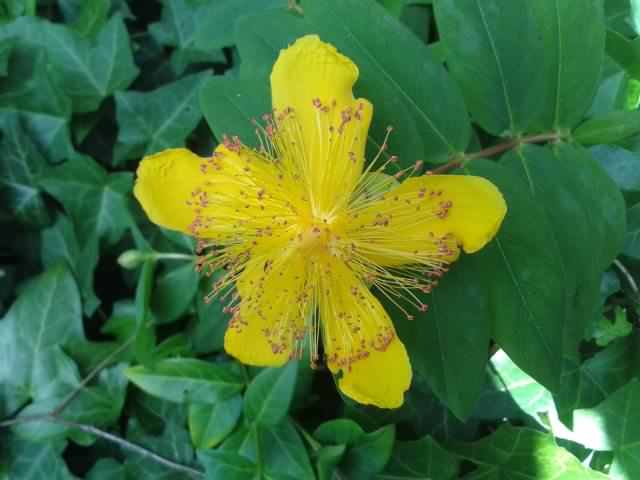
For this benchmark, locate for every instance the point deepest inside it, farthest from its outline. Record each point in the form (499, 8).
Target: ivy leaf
(174, 292)
(179, 26)
(187, 379)
(20, 165)
(44, 110)
(59, 242)
(623, 166)
(614, 425)
(607, 331)
(163, 118)
(523, 453)
(227, 465)
(106, 469)
(369, 455)
(87, 71)
(420, 459)
(36, 461)
(95, 200)
(269, 394)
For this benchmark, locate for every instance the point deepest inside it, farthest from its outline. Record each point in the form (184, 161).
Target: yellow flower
(302, 227)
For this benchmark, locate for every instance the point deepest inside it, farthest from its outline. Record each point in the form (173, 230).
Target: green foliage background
(525, 366)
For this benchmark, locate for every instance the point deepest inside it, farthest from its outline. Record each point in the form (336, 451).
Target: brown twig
(495, 150)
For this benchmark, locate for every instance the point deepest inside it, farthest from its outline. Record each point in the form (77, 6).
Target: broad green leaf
(219, 17)
(86, 70)
(179, 26)
(20, 164)
(208, 328)
(523, 453)
(511, 393)
(419, 460)
(59, 242)
(487, 41)
(339, 431)
(106, 469)
(572, 212)
(584, 385)
(277, 449)
(149, 122)
(610, 128)
(328, 459)
(623, 166)
(614, 425)
(369, 455)
(210, 424)
(227, 465)
(411, 92)
(632, 238)
(624, 51)
(269, 394)
(44, 110)
(229, 103)
(174, 292)
(187, 379)
(36, 461)
(91, 17)
(95, 200)
(573, 34)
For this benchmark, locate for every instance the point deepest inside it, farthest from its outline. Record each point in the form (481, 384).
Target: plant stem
(627, 275)
(496, 149)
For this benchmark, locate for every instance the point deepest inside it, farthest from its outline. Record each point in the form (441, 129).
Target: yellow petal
(360, 340)
(164, 185)
(322, 127)
(426, 218)
(268, 328)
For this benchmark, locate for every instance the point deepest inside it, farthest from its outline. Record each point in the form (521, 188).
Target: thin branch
(627, 275)
(129, 446)
(496, 149)
(98, 368)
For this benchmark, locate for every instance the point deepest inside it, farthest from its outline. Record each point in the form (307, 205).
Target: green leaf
(275, 449)
(44, 110)
(607, 331)
(210, 424)
(613, 425)
(328, 459)
(574, 215)
(625, 52)
(632, 238)
(226, 465)
(419, 460)
(369, 455)
(187, 379)
(229, 103)
(5, 52)
(87, 71)
(573, 34)
(219, 18)
(523, 453)
(584, 385)
(486, 41)
(401, 87)
(269, 394)
(95, 200)
(145, 337)
(174, 292)
(623, 166)
(92, 17)
(339, 431)
(20, 165)
(207, 331)
(36, 461)
(610, 128)
(153, 121)
(179, 27)
(512, 393)
(59, 242)
(106, 469)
